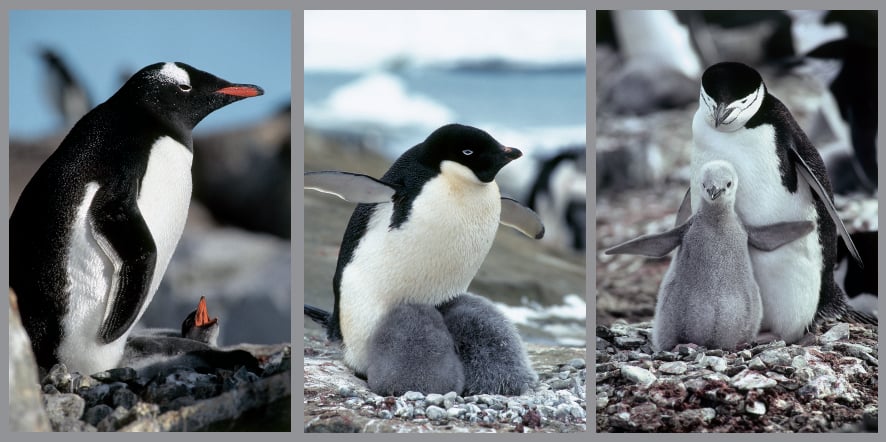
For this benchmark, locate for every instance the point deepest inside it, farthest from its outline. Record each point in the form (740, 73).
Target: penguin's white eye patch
(467, 152)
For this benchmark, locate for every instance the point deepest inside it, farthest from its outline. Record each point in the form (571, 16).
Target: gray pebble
(775, 356)
(838, 332)
(629, 342)
(756, 408)
(756, 364)
(434, 413)
(125, 374)
(577, 363)
(638, 375)
(96, 414)
(434, 399)
(413, 396)
(677, 367)
(751, 381)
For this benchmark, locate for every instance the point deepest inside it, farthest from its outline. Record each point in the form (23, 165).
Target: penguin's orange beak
(202, 318)
(242, 90)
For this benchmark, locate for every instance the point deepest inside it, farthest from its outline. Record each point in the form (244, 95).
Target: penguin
(155, 351)
(558, 195)
(708, 295)
(859, 283)
(739, 121)
(67, 93)
(419, 233)
(93, 230)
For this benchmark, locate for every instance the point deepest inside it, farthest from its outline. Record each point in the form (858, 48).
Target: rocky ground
(828, 384)
(337, 401)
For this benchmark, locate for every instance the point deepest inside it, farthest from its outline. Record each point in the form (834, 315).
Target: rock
(838, 332)
(677, 367)
(775, 357)
(64, 410)
(435, 413)
(756, 408)
(756, 364)
(638, 375)
(752, 381)
(96, 414)
(26, 412)
(691, 419)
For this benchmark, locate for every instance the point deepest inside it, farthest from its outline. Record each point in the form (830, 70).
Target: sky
(239, 46)
(356, 40)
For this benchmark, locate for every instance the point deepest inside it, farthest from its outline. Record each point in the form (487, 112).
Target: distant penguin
(94, 229)
(67, 93)
(709, 296)
(419, 234)
(860, 283)
(739, 121)
(559, 196)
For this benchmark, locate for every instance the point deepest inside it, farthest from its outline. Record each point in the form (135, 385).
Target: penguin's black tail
(856, 316)
(318, 315)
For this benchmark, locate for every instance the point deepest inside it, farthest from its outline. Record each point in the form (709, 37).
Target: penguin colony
(739, 122)
(412, 246)
(93, 231)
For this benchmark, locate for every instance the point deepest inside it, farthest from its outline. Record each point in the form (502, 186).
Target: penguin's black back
(831, 301)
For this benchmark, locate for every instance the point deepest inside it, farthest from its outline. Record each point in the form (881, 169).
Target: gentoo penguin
(709, 296)
(94, 229)
(199, 327)
(739, 121)
(420, 232)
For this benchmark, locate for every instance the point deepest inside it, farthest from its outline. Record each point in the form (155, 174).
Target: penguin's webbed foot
(413, 351)
(490, 349)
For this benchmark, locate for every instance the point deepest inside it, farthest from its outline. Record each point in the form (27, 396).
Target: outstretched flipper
(773, 236)
(685, 210)
(655, 246)
(522, 218)
(819, 190)
(318, 315)
(352, 187)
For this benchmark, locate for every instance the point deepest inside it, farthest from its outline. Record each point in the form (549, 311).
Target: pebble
(413, 396)
(751, 381)
(756, 408)
(677, 367)
(434, 413)
(756, 364)
(838, 332)
(638, 375)
(434, 399)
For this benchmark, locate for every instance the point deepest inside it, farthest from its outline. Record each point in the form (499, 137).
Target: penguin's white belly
(164, 197)
(429, 259)
(790, 276)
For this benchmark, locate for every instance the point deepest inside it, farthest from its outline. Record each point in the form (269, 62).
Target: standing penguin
(420, 233)
(739, 121)
(708, 296)
(94, 229)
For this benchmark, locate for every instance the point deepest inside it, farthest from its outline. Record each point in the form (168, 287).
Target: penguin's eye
(467, 152)
(729, 184)
(185, 87)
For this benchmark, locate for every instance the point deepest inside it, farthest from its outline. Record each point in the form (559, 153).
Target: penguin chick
(199, 327)
(413, 351)
(489, 347)
(94, 229)
(420, 233)
(708, 295)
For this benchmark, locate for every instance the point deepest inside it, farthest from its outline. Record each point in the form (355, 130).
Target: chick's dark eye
(184, 87)
(729, 184)
(467, 152)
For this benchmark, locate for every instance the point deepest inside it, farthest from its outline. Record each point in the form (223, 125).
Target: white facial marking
(175, 74)
(740, 111)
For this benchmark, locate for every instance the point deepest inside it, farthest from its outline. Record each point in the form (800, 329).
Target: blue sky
(239, 46)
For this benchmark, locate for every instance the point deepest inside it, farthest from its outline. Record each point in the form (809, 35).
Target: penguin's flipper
(124, 237)
(522, 218)
(819, 190)
(318, 315)
(773, 236)
(352, 187)
(685, 210)
(655, 246)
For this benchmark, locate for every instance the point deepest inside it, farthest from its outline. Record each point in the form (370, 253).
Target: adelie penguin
(93, 231)
(739, 121)
(415, 242)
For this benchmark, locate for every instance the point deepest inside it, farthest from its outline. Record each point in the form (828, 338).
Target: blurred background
(821, 64)
(235, 249)
(379, 82)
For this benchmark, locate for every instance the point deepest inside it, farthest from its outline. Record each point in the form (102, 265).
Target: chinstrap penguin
(419, 233)
(739, 121)
(94, 229)
(709, 296)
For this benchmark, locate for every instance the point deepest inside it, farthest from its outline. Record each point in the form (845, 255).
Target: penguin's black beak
(721, 113)
(241, 90)
(714, 192)
(512, 153)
